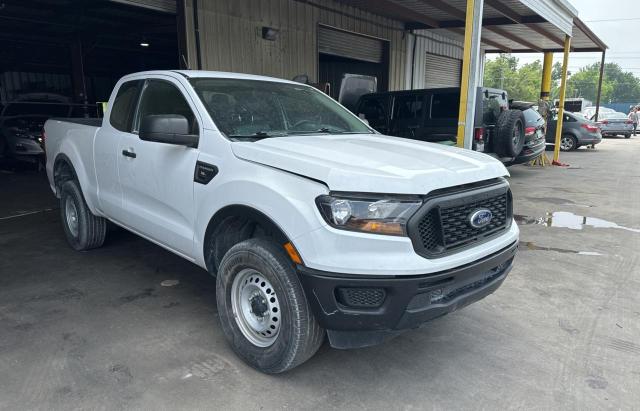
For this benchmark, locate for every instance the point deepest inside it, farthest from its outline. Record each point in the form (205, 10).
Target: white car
(311, 221)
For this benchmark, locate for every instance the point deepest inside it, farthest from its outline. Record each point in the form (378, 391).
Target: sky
(617, 23)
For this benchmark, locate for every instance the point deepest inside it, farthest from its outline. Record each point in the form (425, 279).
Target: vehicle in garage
(615, 124)
(432, 115)
(21, 123)
(577, 131)
(310, 220)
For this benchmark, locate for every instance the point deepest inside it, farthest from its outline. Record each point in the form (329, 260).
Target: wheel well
(234, 224)
(62, 171)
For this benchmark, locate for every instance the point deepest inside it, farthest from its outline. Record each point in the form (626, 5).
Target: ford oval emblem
(480, 218)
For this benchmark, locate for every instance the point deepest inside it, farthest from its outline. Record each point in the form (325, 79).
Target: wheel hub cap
(256, 307)
(71, 215)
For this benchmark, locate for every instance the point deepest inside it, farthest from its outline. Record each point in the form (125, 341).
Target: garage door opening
(342, 53)
(77, 49)
(442, 71)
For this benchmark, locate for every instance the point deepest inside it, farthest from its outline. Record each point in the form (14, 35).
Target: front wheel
(568, 143)
(263, 310)
(82, 228)
(627, 136)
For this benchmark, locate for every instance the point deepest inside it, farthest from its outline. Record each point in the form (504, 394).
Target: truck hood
(371, 162)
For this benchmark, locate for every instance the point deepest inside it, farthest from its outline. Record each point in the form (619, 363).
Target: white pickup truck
(312, 223)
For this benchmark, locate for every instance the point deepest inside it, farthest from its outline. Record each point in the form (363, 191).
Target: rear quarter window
(122, 111)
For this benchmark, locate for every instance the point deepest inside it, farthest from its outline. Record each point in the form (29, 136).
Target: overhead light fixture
(144, 44)
(269, 33)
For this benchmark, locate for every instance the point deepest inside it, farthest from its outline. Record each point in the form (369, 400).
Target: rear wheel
(263, 310)
(568, 142)
(627, 136)
(509, 135)
(83, 230)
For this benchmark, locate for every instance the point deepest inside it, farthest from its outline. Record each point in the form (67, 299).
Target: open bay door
(441, 71)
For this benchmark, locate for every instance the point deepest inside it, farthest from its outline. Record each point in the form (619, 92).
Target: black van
(432, 115)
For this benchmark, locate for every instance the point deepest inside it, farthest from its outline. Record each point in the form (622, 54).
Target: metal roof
(516, 26)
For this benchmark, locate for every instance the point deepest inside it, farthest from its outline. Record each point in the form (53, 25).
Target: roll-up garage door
(166, 6)
(349, 45)
(441, 71)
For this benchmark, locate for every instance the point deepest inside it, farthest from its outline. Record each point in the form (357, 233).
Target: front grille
(455, 226)
(443, 224)
(361, 297)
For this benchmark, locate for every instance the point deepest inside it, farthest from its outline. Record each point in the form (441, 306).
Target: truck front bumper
(360, 311)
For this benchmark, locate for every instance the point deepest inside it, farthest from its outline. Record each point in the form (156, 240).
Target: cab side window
(374, 112)
(409, 107)
(162, 97)
(124, 105)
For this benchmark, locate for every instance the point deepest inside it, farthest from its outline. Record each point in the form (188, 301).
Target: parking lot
(132, 326)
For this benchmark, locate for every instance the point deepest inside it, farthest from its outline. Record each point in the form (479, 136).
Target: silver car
(615, 124)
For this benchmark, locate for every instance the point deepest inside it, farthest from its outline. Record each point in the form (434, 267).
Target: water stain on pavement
(528, 245)
(564, 219)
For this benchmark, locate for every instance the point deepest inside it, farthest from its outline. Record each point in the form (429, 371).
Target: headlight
(380, 216)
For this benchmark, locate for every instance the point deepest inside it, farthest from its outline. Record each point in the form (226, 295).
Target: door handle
(127, 153)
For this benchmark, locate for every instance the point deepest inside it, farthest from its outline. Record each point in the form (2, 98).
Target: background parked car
(432, 115)
(590, 112)
(576, 131)
(615, 124)
(534, 140)
(22, 121)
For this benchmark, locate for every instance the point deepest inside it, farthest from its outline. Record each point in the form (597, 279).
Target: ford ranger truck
(313, 224)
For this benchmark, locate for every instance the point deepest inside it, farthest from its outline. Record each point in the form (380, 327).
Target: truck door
(157, 178)
(375, 109)
(106, 146)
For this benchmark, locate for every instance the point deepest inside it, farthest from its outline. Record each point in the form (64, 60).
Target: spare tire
(509, 134)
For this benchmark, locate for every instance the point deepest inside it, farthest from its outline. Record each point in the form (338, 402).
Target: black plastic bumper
(403, 302)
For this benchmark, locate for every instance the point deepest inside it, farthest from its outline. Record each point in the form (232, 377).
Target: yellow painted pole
(466, 71)
(545, 106)
(563, 89)
(547, 67)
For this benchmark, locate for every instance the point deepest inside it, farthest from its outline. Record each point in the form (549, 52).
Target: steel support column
(600, 86)
(470, 72)
(563, 89)
(547, 68)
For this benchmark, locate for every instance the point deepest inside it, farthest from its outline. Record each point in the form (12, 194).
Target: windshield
(253, 108)
(43, 109)
(616, 116)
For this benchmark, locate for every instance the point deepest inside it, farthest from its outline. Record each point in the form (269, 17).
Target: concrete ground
(105, 330)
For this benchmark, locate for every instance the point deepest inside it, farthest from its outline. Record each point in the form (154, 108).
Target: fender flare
(246, 212)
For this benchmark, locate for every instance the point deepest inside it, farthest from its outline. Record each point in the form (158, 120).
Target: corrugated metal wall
(429, 43)
(14, 83)
(230, 36)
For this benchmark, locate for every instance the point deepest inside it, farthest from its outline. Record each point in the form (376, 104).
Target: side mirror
(168, 129)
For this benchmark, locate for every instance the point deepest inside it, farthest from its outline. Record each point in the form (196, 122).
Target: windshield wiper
(259, 135)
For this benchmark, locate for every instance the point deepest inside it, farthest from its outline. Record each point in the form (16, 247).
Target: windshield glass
(616, 115)
(253, 108)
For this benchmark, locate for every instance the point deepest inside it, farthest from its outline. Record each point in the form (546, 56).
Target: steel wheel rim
(516, 135)
(71, 215)
(566, 143)
(256, 307)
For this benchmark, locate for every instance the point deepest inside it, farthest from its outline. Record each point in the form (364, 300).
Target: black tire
(568, 142)
(627, 136)
(299, 335)
(86, 231)
(509, 133)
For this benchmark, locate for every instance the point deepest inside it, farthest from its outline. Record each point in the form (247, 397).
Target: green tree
(522, 82)
(617, 84)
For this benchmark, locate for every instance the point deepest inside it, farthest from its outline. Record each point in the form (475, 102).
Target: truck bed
(93, 122)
